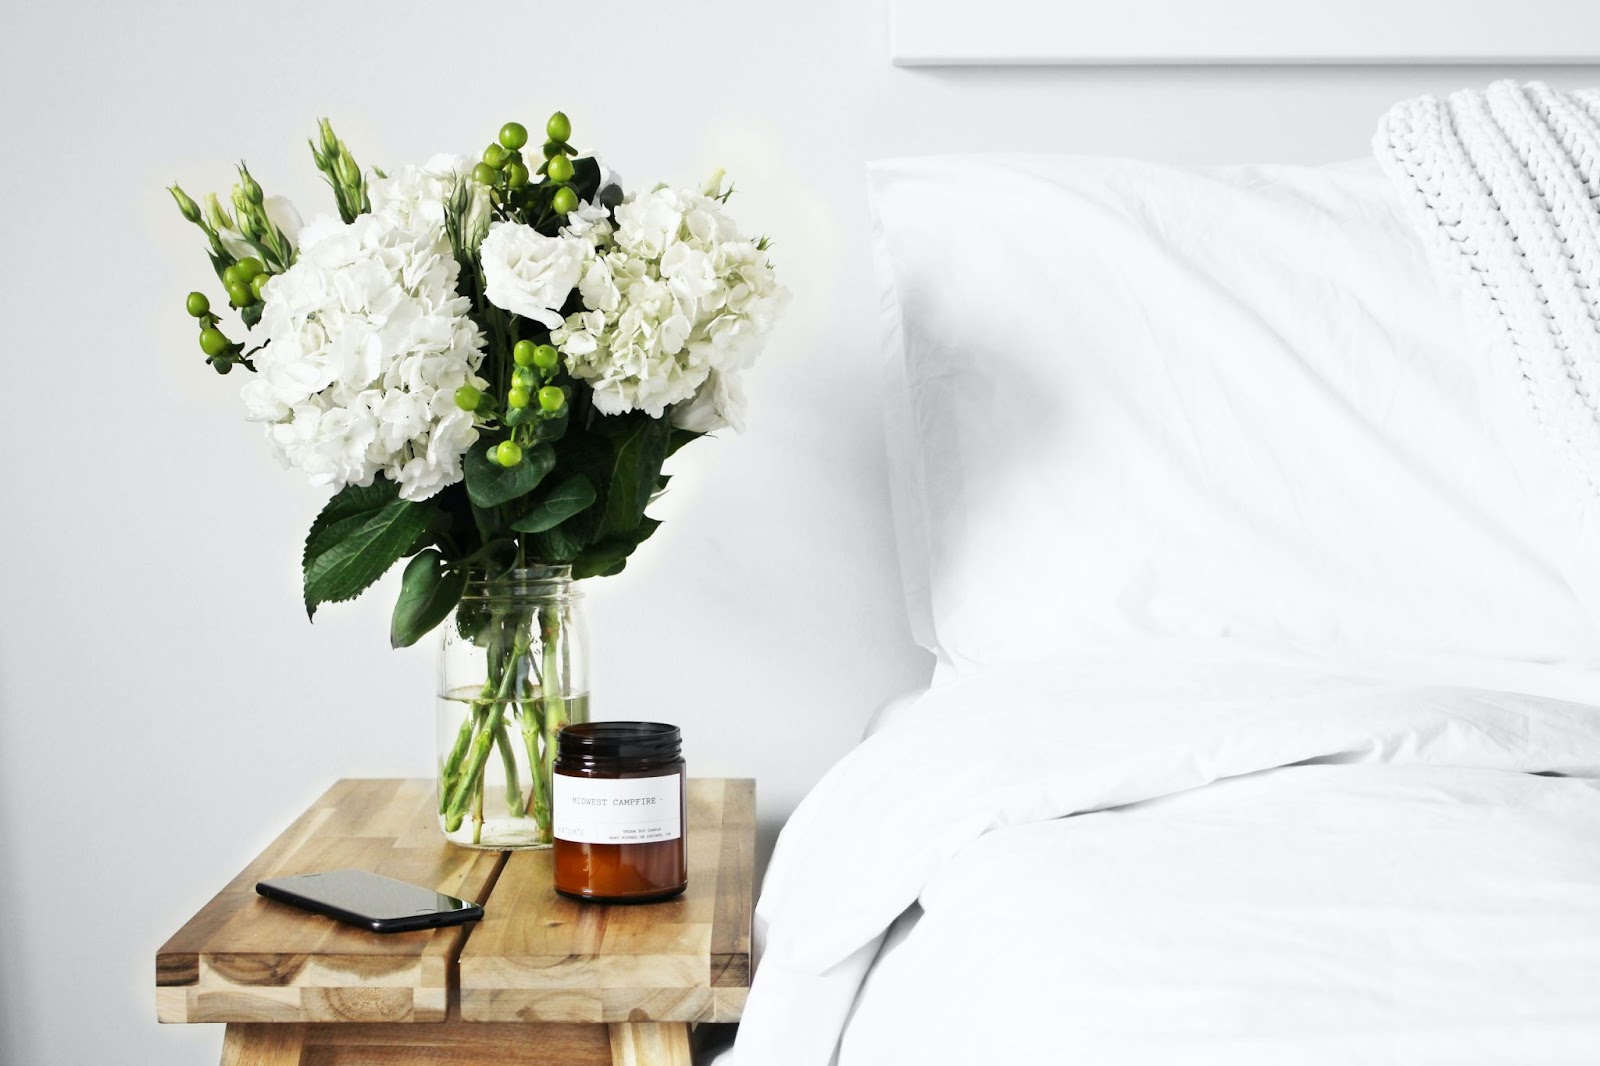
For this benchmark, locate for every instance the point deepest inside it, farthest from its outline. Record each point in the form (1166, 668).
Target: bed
(1265, 726)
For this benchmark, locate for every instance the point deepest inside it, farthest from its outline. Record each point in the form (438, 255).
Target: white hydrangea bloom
(676, 303)
(529, 274)
(368, 343)
(415, 196)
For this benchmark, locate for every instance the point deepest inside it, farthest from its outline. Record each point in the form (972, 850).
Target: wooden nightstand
(541, 979)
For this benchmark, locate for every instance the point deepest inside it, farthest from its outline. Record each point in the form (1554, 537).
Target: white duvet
(1198, 853)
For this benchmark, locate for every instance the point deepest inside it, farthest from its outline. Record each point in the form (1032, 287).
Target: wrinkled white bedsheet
(1198, 853)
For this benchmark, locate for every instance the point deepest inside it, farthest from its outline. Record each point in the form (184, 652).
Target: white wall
(164, 707)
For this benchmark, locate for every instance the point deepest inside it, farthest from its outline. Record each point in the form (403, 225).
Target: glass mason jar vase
(512, 672)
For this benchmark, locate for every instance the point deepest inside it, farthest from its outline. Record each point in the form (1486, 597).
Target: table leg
(264, 1044)
(649, 1044)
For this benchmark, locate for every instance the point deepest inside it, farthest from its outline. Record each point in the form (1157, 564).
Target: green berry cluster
(221, 352)
(533, 397)
(242, 278)
(504, 171)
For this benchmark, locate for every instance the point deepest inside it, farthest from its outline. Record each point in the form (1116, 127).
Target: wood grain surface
(604, 983)
(539, 957)
(243, 958)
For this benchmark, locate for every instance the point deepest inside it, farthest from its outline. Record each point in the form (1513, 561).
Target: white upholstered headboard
(938, 32)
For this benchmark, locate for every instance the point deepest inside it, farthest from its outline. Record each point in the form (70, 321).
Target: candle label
(630, 810)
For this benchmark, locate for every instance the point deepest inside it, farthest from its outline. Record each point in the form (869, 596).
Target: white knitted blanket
(1505, 185)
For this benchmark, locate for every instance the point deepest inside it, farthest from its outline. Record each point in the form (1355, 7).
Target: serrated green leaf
(347, 555)
(428, 592)
(349, 501)
(489, 484)
(557, 505)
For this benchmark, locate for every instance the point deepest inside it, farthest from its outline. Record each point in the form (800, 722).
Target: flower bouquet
(489, 360)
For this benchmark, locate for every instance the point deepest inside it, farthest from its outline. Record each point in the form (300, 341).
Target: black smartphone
(380, 904)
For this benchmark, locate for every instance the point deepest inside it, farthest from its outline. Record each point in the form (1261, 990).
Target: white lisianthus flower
(529, 274)
(367, 343)
(280, 212)
(676, 302)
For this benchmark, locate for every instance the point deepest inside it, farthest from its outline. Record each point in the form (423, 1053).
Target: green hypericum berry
(564, 202)
(552, 399)
(545, 357)
(239, 294)
(560, 169)
(522, 377)
(258, 283)
(522, 353)
(507, 453)
(197, 304)
(517, 397)
(468, 398)
(231, 276)
(249, 267)
(495, 156)
(559, 128)
(484, 174)
(513, 135)
(212, 341)
(516, 175)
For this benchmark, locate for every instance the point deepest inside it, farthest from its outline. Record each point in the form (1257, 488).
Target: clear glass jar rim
(541, 582)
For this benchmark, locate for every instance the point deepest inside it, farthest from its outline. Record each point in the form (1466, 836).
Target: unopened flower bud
(218, 215)
(330, 141)
(252, 190)
(714, 184)
(190, 209)
(345, 169)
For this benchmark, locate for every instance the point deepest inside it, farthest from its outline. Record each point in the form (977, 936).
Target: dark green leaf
(639, 455)
(680, 437)
(350, 502)
(557, 505)
(427, 593)
(561, 544)
(489, 484)
(350, 553)
(609, 556)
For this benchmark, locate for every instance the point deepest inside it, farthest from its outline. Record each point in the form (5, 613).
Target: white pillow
(1138, 399)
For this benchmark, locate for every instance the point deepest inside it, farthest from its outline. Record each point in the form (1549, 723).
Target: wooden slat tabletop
(538, 957)
(535, 957)
(247, 959)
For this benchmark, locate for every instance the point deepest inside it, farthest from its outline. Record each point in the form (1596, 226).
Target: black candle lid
(620, 740)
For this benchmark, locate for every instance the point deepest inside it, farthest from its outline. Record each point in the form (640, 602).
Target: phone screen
(369, 898)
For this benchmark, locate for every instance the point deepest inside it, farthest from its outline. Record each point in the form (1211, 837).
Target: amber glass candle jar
(617, 807)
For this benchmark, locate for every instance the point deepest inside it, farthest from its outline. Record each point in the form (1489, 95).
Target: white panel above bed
(942, 32)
